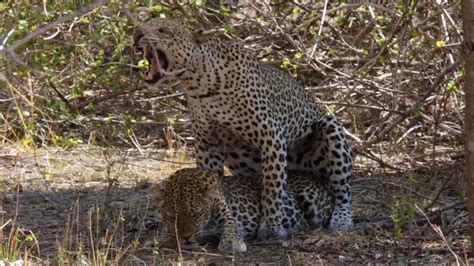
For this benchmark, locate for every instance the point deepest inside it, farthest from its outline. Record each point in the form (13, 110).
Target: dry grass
(90, 205)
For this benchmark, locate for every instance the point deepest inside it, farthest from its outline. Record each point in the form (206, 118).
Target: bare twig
(102, 98)
(437, 194)
(320, 28)
(69, 106)
(386, 223)
(438, 230)
(11, 48)
(421, 99)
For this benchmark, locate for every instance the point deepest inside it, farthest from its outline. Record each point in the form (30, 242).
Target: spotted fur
(194, 201)
(253, 118)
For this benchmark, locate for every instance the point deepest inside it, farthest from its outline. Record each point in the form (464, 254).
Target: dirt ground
(92, 205)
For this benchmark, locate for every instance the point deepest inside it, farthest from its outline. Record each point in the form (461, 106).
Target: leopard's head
(168, 45)
(185, 201)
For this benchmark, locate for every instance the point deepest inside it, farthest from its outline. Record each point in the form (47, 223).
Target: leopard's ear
(211, 193)
(201, 36)
(159, 192)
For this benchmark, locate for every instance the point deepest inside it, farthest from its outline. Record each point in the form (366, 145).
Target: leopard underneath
(194, 201)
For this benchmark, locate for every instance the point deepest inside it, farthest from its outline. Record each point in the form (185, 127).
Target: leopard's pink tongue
(155, 66)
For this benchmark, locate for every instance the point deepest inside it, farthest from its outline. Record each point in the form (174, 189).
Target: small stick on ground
(438, 230)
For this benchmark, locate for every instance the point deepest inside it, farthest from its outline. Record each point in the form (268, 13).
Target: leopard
(248, 116)
(196, 201)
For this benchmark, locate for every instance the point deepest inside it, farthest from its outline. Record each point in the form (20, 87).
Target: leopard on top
(253, 118)
(196, 201)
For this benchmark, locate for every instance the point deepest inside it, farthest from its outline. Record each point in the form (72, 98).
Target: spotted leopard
(194, 201)
(253, 118)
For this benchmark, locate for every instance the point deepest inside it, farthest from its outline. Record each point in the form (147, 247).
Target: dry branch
(410, 112)
(11, 48)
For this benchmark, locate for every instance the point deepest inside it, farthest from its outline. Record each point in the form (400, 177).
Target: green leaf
(331, 108)
(171, 120)
(224, 11)
(3, 6)
(296, 10)
(381, 41)
(342, 21)
(47, 176)
(144, 64)
(26, 142)
(200, 3)
(453, 87)
(228, 27)
(440, 43)
(286, 63)
(298, 55)
(3, 84)
(459, 73)
(329, 52)
(417, 111)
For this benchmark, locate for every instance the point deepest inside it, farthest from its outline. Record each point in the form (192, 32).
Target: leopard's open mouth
(158, 63)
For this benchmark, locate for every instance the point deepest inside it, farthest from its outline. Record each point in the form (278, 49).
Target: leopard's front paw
(341, 219)
(232, 245)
